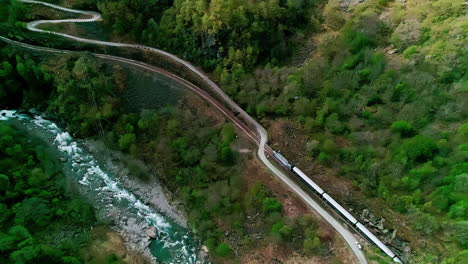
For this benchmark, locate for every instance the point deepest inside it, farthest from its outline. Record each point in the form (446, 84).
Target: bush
(462, 132)
(228, 134)
(418, 149)
(271, 205)
(329, 146)
(334, 125)
(126, 141)
(352, 61)
(312, 245)
(461, 233)
(356, 40)
(324, 158)
(223, 250)
(403, 128)
(410, 51)
(226, 154)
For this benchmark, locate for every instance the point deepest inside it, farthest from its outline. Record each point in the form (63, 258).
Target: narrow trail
(260, 136)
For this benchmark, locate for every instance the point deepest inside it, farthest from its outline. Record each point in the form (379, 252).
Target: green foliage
(12, 12)
(22, 81)
(223, 250)
(303, 107)
(417, 149)
(270, 205)
(410, 51)
(460, 233)
(403, 128)
(348, 93)
(230, 35)
(228, 134)
(281, 232)
(312, 245)
(126, 141)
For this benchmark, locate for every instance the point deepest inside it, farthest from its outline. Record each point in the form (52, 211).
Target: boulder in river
(152, 232)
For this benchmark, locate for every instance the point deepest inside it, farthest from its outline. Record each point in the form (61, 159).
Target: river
(174, 244)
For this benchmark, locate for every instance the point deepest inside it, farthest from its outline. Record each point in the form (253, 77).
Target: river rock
(380, 225)
(203, 254)
(152, 232)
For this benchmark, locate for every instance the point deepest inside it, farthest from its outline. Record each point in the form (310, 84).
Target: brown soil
(277, 254)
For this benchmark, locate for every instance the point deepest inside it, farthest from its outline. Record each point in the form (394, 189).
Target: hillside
(380, 95)
(369, 97)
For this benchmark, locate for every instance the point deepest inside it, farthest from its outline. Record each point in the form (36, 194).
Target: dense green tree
(403, 128)
(126, 141)
(417, 149)
(223, 250)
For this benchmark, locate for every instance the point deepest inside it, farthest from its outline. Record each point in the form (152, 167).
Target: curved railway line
(254, 131)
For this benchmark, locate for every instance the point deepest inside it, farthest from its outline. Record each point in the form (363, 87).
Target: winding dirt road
(259, 136)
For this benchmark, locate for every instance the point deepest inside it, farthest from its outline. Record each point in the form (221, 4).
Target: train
(335, 205)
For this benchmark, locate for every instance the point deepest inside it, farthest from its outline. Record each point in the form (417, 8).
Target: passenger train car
(343, 212)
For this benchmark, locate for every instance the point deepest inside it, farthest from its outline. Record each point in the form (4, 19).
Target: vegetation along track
(251, 127)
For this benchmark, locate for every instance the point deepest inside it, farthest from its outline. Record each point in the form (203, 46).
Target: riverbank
(151, 192)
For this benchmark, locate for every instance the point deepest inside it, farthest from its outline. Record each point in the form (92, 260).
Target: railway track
(249, 126)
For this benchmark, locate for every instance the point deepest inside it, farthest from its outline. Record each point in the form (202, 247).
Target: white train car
(283, 160)
(340, 208)
(377, 242)
(308, 181)
(337, 206)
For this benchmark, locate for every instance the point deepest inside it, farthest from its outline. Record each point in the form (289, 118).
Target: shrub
(271, 205)
(462, 132)
(364, 75)
(357, 40)
(312, 148)
(374, 100)
(352, 61)
(303, 107)
(410, 51)
(418, 149)
(280, 231)
(312, 245)
(403, 128)
(324, 158)
(461, 233)
(402, 92)
(226, 154)
(329, 146)
(334, 125)
(223, 250)
(228, 134)
(126, 141)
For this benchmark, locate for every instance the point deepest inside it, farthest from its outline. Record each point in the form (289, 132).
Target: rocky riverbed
(150, 192)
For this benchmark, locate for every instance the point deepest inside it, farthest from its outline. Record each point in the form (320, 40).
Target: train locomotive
(335, 205)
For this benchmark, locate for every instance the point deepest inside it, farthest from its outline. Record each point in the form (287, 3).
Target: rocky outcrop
(152, 232)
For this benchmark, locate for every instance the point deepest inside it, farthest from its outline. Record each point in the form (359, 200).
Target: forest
(35, 206)
(389, 79)
(195, 155)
